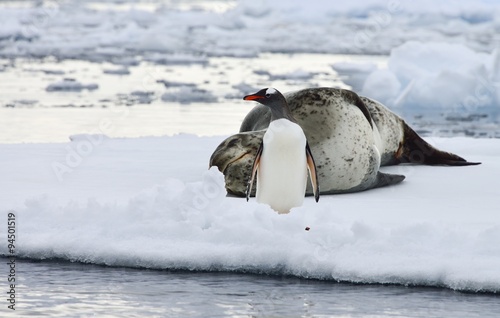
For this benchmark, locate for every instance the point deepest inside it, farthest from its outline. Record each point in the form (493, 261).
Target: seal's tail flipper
(416, 150)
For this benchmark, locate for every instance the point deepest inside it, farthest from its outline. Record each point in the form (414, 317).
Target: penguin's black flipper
(313, 173)
(255, 166)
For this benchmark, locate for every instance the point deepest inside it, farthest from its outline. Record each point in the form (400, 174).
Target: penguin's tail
(416, 150)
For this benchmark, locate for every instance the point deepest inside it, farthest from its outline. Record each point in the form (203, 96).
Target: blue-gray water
(64, 289)
(143, 103)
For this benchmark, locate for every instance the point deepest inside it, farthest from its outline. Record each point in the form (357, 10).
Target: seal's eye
(268, 95)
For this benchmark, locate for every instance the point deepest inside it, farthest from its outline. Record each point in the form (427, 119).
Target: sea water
(58, 288)
(158, 100)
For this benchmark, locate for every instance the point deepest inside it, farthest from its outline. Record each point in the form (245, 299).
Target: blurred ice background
(436, 64)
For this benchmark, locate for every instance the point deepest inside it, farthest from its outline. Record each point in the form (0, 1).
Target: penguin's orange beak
(252, 97)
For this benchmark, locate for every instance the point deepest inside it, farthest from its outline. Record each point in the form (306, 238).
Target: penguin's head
(266, 96)
(273, 99)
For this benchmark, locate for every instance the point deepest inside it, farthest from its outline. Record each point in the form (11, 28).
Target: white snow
(152, 203)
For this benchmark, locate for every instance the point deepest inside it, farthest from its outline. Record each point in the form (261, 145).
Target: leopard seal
(350, 137)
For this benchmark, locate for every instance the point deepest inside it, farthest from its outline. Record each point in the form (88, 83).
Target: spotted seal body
(350, 138)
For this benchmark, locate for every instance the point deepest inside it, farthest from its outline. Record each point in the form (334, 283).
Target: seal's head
(234, 158)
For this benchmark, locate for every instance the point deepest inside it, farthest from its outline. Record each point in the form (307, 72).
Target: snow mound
(435, 229)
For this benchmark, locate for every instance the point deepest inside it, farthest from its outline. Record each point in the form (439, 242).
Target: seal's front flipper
(386, 179)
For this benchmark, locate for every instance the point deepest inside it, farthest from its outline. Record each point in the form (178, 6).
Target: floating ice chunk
(418, 60)
(436, 75)
(25, 102)
(176, 59)
(117, 71)
(53, 72)
(141, 93)
(241, 90)
(262, 73)
(136, 97)
(188, 95)
(125, 60)
(382, 85)
(354, 74)
(70, 85)
(169, 84)
(143, 97)
(352, 67)
(245, 88)
(46, 71)
(298, 74)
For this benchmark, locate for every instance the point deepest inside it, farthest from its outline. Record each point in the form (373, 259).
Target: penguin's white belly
(282, 173)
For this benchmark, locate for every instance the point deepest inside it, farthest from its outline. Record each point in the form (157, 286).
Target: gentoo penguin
(283, 157)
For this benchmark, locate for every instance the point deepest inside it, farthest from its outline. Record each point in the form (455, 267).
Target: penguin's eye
(268, 95)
